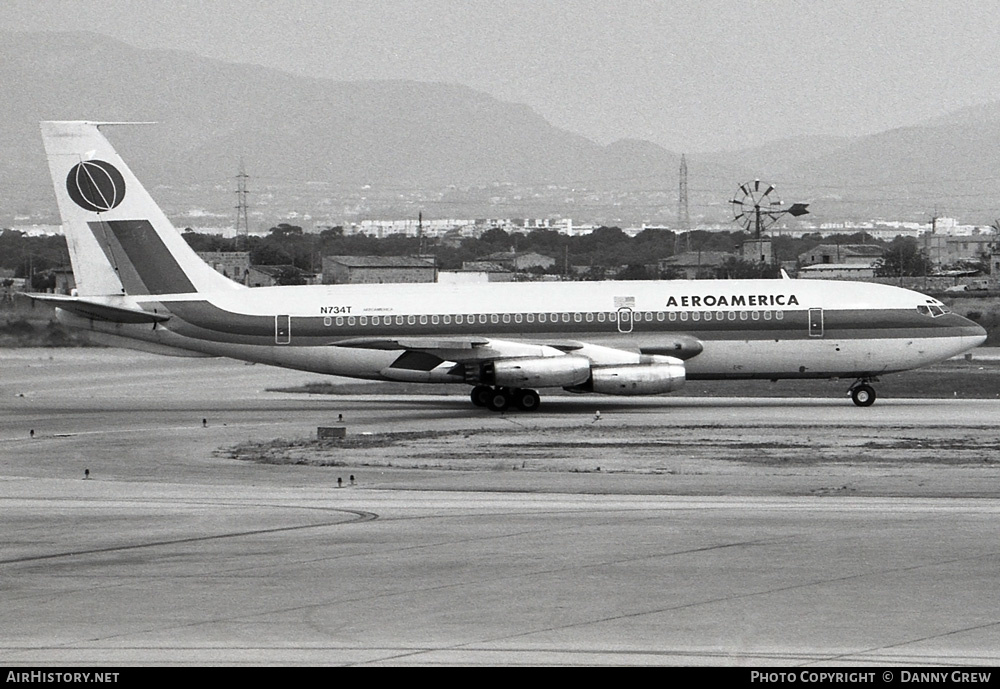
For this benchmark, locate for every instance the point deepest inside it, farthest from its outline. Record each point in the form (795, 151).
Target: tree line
(607, 252)
(604, 253)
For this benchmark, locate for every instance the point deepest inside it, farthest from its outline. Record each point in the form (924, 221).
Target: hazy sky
(691, 76)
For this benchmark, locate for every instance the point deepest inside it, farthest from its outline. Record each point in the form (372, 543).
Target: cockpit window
(933, 310)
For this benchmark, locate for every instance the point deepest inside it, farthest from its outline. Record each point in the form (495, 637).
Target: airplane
(139, 285)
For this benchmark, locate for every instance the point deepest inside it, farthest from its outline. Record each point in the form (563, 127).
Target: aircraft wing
(679, 345)
(418, 344)
(462, 350)
(458, 350)
(98, 311)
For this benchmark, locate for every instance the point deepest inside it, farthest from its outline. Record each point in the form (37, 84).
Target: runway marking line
(361, 517)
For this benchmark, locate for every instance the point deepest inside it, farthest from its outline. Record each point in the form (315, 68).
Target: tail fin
(120, 242)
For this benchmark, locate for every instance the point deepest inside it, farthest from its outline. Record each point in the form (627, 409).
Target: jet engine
(679, 346)
(635, 379)
(537, 372)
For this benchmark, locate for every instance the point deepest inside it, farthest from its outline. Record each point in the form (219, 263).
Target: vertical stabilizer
(120, 242)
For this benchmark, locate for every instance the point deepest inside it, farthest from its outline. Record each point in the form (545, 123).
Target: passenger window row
(557, 318)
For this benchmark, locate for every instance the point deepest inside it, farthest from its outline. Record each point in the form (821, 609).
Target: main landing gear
(500, 399)
(863, 394)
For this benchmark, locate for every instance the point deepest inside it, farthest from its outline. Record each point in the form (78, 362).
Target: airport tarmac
(172, 552)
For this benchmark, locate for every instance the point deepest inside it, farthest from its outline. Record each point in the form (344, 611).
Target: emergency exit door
(282, 329)
(815, 322)
(625, 316)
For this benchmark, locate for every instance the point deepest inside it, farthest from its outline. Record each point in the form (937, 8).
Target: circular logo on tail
(95, 185)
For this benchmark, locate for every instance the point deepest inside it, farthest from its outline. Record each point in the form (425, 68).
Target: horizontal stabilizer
(98, 311)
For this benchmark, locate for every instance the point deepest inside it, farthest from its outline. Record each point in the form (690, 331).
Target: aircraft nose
(972, 333)
(980, 335)
(968, 333)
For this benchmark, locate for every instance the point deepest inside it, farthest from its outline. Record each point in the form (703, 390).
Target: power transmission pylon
(420, 232)
(242, 222)
(683, 216)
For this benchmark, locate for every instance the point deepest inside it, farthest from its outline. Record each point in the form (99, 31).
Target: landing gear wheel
(526, 400)
(863, 395)
(498, 400)
(479, 395)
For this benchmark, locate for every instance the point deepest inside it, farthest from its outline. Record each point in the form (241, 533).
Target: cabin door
(815, 322)
(282, 330)
(625, 320)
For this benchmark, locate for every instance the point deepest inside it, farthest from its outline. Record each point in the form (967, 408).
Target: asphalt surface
(172, 552)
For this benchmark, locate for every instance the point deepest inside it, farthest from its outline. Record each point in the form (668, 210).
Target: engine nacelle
(635, 379)
(539, 372)
(679, 346)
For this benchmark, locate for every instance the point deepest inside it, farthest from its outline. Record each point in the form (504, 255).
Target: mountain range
(406, 138)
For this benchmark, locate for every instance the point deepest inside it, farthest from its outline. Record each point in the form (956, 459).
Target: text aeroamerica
(711, 300)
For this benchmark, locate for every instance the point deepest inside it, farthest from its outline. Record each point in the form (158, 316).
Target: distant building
(837, 271)
(951, 227)
(484, 267)
(65, 280)
(691, 263)
(758, 250)
(840, 254)
(235, 265)
(269, 276)
(513, 261)
(411, 227)
(890, 233)
(469, 277)
(573, 230)
(339, 270)
(947, 249)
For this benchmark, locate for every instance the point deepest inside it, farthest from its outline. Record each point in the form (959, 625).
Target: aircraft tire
(498, 400)
(479, 395)
(527, 400)
(863, 395)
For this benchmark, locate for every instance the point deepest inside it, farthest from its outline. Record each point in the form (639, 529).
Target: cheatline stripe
(204, 319)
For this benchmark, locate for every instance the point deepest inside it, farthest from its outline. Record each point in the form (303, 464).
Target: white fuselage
(748, 329)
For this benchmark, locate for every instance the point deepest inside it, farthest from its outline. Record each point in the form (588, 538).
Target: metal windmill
(757, 207)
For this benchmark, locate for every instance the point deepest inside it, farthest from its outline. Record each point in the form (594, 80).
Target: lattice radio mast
(242, 222)
(683, 216)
